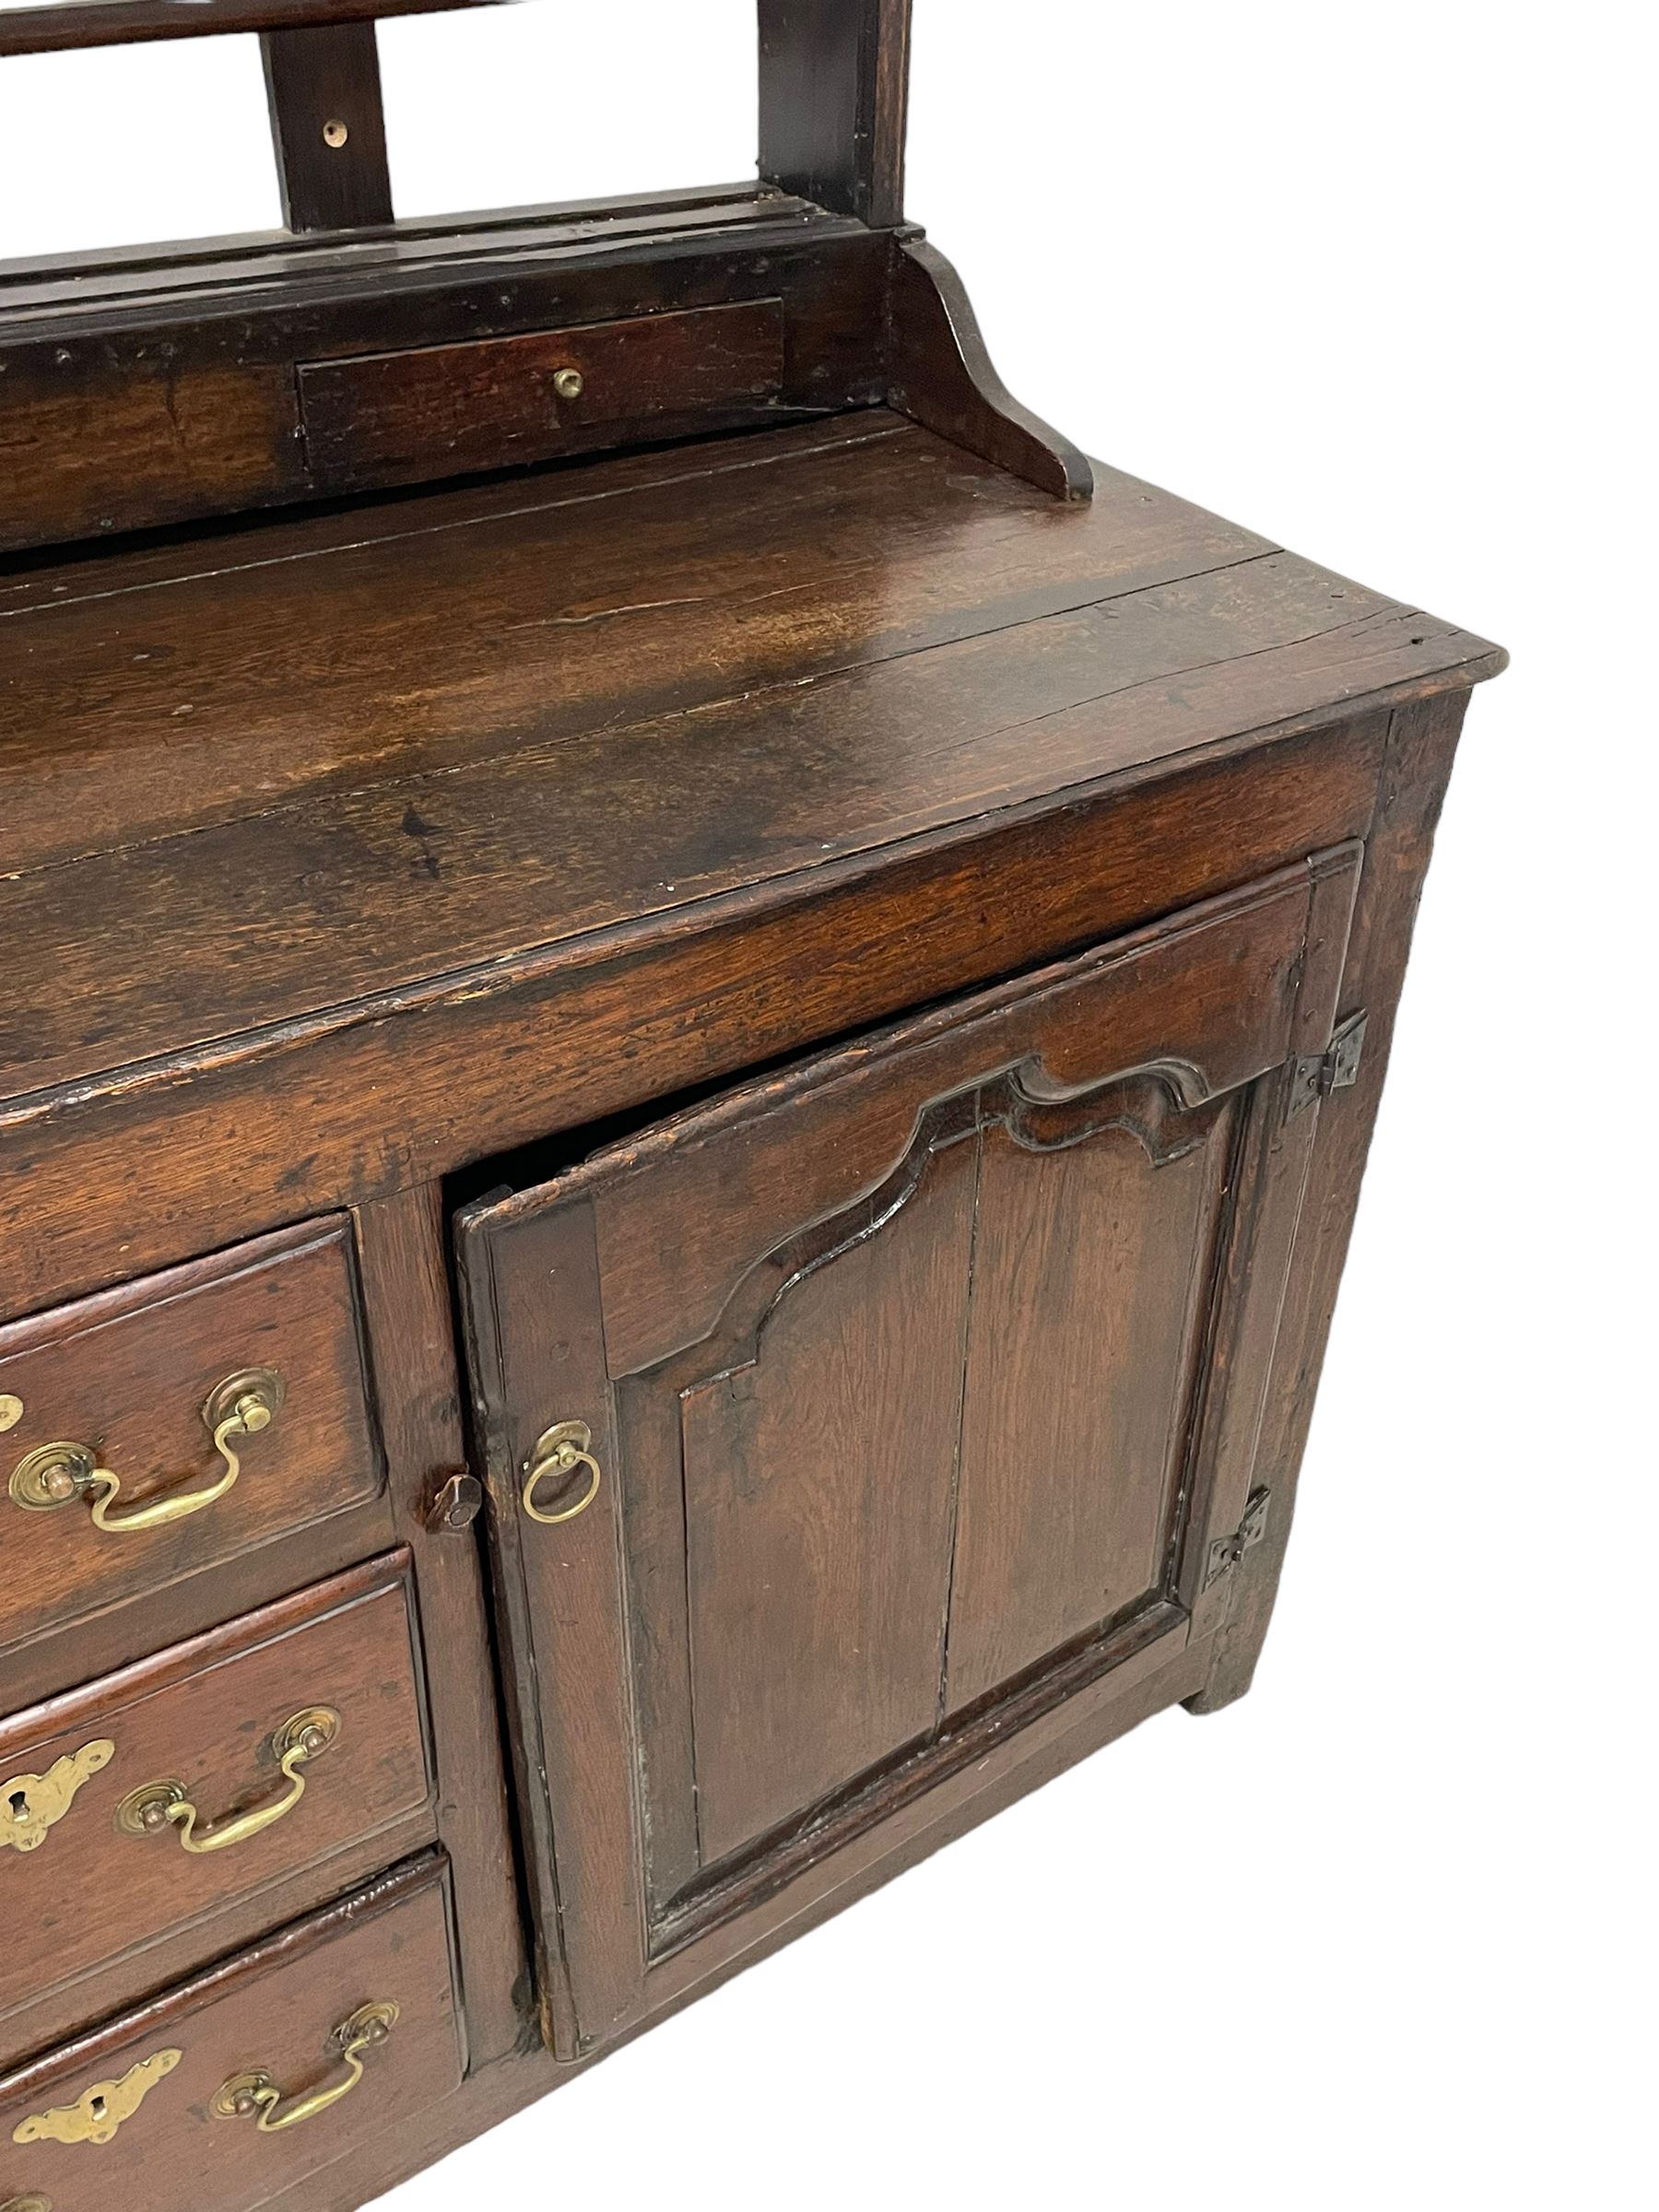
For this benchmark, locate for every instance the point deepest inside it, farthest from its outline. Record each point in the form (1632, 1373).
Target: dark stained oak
(834, 84)
(162, 387)
(539, 611)
(58, 26)
(209, 410)
(818, 1493)
(96, 1915)
(272, 2007)
(603, 828)
(375, 419)
(577, 1806)
(128, 1374)
(1417, 765)
(889, 1365)
(942, 375)
(406, 1300)
(323, 85)
(1088, 1282)
(1007, 1768)
(323, 1112)
(864, 1111)
(723, 789)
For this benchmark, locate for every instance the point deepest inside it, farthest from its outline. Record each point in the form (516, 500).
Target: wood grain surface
(96, 1914)
(892, 1364)
(128, 1374)
(576, 707)
(825, 914)
(274, 2008)
(493, 402)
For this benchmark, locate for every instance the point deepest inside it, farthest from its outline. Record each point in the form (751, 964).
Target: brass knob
(59, 1482)
(568, 382)
(252, 1411)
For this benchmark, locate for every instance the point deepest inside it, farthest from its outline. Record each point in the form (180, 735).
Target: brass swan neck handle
(60, 1474)
(155, 1807)
(255, 2096)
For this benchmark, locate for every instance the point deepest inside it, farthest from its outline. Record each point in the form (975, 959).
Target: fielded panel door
(841, 1428)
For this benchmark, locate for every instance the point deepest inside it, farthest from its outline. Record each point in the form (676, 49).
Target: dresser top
(264, 773)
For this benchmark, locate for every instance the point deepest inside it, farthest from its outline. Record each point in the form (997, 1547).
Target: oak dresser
(690, 1023)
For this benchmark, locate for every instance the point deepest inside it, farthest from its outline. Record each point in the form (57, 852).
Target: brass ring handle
(156, 1806)
(560, 1451)
(57, 1474)
(255, 2096)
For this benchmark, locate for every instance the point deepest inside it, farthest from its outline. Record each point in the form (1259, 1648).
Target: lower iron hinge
(1226, 1551)
(1314, 1076)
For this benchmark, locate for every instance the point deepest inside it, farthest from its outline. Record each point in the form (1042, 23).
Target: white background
(1375, 283)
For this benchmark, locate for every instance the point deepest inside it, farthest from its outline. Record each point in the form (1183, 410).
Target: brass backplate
(32, 1803)
(321, 1719)
(263, 1385)
(149, 1797)
(95, 2115)
(366, 2023)
(32, 1482)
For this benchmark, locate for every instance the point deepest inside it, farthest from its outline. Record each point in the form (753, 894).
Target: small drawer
(178, 1422)
(195, 1799)
(501, 401)
(223, 2093)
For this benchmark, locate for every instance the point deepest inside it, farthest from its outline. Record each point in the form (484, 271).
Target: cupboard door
(840, 1428)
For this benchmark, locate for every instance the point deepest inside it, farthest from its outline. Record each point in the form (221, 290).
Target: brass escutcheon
(559, 1450)
(11, 1413)
(255, 2096)
(155, 1807)
(31, 1804)
(60, 1474)
(100, 2110)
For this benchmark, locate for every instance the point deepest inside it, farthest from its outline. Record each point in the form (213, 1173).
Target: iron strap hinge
(1226, 1551)
(1314, 1076)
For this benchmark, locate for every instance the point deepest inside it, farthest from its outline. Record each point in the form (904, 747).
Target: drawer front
(506, 400)
(252, 1359)
(227, 1777)
(218, 2096)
